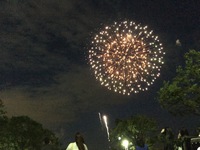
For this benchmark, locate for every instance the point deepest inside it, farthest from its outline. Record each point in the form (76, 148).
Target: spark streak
(100, 119)
(106, 125)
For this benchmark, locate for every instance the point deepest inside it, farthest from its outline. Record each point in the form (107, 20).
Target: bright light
(198, 148)
(106, 125)
(125, 144)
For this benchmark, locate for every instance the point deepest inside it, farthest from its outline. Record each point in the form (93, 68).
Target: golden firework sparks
(126, 57)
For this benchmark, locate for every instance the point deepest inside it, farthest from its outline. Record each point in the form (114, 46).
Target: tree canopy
(181, 96)
(23, 133)
(2, 109)
(134, 129)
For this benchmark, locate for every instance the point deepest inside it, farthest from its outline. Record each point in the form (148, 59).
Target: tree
(26, 133)
(23, 133)
(3, 127)
(2, 111)
(133, 129)
(181, 96)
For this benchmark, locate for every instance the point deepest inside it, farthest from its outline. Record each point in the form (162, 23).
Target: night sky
(44, 69)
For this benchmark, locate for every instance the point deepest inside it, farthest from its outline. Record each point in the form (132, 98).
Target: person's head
(46, 140)
(79, 141)
(140, 141)
(186, 133)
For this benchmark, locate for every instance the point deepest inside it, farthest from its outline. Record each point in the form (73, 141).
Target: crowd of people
(169, 141)
(167, 138)
(182, 142)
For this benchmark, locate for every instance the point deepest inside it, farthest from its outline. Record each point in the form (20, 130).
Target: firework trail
(106, 125)
(126, 57)
(100, 119)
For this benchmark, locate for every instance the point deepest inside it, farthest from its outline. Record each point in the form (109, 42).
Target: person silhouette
(47, 144)
(79, 143)
(140, 143)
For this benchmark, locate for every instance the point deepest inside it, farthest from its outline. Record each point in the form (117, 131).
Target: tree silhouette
(135, 129)
(181, 96)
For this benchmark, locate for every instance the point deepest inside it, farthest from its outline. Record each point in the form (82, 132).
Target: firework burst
(126, 57)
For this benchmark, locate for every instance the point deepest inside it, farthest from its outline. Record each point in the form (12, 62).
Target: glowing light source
(126, 57)
(125, 143)
(106, 125)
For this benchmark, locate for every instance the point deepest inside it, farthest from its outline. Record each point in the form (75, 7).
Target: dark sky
(44, 69)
